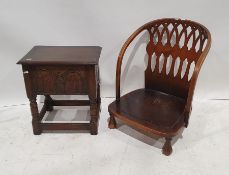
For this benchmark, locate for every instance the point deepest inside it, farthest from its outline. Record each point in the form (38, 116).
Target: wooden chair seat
(165, 115)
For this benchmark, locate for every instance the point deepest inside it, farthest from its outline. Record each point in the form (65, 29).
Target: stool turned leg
(98, 92)
(94, 117)
(94, 127)
(98, 98)
(93, 97)
(48, 103)
(35, 116)
(167, 148)
(112, 122)
(98, 88)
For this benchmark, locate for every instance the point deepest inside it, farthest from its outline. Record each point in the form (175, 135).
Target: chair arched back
(175, 46)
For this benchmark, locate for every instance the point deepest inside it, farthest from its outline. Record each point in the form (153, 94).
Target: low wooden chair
(163, 107)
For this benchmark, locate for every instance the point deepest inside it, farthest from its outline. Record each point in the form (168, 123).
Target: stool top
(62, 55)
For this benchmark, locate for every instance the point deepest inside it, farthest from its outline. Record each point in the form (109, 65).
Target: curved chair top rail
(192, 42)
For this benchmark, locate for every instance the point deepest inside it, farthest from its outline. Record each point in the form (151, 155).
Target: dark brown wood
(163, 107)
(42, 112)
(65, 126)
(62, 55)
(35, 116)
(150, 109)
(112, 122)
(94, 120)
(71, 102)
(62, 70)
(60, 79)
(167, 148)
(48, 103)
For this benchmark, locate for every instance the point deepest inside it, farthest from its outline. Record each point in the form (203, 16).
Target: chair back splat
(174, 46)
(175, 50)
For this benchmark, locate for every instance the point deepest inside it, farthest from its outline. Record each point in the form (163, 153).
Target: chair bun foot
(112, 123)
(167, 148)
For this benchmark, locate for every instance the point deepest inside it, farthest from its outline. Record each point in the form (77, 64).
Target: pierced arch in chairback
(174, 47)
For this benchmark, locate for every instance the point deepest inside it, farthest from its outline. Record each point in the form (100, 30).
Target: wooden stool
(62, 70)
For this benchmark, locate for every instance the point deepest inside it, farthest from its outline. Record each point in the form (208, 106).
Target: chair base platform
(151, 111)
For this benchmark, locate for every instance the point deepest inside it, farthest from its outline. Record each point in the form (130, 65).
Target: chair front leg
(112, 122)
(167, 148)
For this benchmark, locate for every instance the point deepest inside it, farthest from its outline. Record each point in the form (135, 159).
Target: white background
(25, 23)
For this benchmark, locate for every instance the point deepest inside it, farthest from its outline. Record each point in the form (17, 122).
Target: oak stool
(62, 70)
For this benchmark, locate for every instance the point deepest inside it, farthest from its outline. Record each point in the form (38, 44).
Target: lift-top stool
(62, 70)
